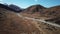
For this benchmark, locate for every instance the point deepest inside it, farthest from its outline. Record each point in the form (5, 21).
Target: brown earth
(49, 14)
(33, 11)
(11, 23)
(38, 11)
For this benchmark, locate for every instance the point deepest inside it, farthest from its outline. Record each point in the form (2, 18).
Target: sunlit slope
(10, 23)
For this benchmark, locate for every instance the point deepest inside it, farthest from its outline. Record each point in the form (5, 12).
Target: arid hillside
(51, 14)
(33, 11)
(11, 7)
(12, 23)
(38, 11)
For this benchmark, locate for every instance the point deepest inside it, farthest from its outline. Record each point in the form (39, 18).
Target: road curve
(53, 24)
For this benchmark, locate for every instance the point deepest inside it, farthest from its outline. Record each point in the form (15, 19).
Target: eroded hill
(11, 23)
(33, 11)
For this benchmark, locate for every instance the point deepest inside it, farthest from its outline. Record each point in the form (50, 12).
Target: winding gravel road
(53, 24)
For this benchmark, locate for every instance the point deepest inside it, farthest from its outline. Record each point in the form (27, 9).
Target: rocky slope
(12, 7)
(53, 13)
(11, 23)
(33, 11)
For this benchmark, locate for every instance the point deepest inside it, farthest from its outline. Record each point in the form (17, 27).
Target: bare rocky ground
(11, 23)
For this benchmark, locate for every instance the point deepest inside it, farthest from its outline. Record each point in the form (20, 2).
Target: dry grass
(10, 23)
